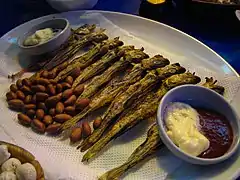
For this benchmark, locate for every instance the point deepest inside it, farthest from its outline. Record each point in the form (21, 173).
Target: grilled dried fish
(71, 50)
(211, 84)
(98, 81)
(89, 57)
(109, 92)
(101, 65)
(125, 99)
(155, 62)
(147, 148)
(141, 111)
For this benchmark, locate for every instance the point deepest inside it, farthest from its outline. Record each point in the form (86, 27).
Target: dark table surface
(220, 38)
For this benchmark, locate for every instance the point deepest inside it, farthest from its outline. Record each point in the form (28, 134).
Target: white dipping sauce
(183, 128)
(39, 37)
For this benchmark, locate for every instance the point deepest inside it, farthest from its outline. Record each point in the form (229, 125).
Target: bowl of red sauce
(198, 125)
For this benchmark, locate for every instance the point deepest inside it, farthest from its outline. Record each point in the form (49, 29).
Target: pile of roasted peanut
(45, 104)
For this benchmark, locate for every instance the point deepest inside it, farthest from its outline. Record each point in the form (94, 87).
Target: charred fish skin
(143, 110)
(109, 92)
(106, 96)
(126, 98)
(180, 79)
(121, 102)
(155, 62)
(147, 148)
(135, 56)
(98, 81)
(130, 78)
(107, 75)
(211, 84)
(103, 46)
(100, 65)
(70, 51)
(125, 122)
(89, 57)
(117, 172)
(167, 71)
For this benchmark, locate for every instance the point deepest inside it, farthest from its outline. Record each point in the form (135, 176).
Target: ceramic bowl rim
(21, 40)
(176, 150)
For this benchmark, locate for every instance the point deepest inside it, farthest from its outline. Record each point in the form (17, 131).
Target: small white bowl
(198, 96)
(53, 43)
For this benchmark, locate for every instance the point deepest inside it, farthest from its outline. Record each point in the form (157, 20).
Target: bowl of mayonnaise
(198, 125)
(45, 37)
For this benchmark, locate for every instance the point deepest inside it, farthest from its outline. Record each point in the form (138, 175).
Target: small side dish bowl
(197, 96)
(64, 31)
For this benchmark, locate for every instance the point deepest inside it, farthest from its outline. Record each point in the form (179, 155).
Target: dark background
(222, 35)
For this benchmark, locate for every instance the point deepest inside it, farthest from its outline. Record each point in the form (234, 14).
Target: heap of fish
(123, 78)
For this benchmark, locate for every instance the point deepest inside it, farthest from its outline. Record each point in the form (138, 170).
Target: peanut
(53, 128)
(26, 82)
(38, 126)
(70, 101)
(86, 130)
(59, 88)
(42, 106)
(97, 122)
(40, 114)
(66, 86)
(61, 118)
(78, 90)
(38, 88)
(70, 110)
(29, 106)
(52, 112)
(51, 75)
(59, 108)
(44, 74)
(47, 120)
(26, 89)
(31, 113)
(19, 83)
(13, 88)
(28, 99)
(51, 90)
(69, 80)
(75, 72)
(76, 134)
(40, 96)
(16, 104)
(11, 95)
(34, 99)
(67, 93)
(52, 101)
(20, 95)
(82, 103)
(24, 119)
(42, 81)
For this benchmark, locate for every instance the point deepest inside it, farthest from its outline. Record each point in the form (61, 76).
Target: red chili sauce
(218, 131)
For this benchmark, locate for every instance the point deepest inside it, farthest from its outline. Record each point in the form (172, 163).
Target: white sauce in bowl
(40, 36)
(183, 128)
